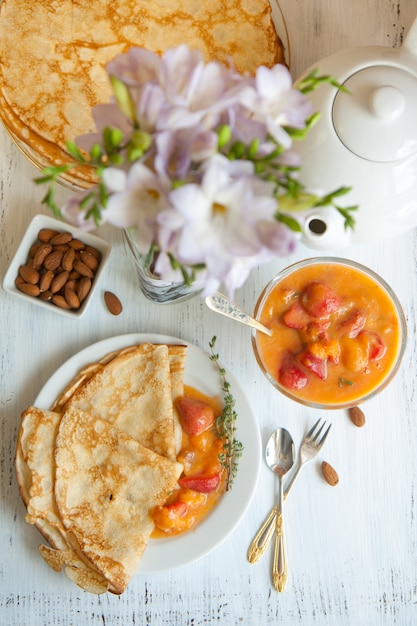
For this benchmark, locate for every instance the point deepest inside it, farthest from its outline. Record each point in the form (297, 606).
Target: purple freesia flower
(204, 157)
(136, 198)
(222, 222)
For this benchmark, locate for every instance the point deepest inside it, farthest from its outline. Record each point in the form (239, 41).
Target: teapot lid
(375, 118)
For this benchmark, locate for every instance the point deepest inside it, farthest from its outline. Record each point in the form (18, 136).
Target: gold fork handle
(279, 568)
(262, 538)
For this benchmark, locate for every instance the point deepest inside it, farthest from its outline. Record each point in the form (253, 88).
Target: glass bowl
(338, 333)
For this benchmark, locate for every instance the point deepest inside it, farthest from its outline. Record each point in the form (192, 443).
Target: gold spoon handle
(261, 540)
(279, 569)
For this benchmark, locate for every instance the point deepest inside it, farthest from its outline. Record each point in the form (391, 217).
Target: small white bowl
(30, 237)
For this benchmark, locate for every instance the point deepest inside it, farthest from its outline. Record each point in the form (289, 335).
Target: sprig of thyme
(225, 425)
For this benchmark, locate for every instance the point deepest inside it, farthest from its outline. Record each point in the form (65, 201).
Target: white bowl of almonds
(57, 266)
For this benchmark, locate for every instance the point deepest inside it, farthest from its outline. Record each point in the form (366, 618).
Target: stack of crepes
(52, 59)
(91, 469)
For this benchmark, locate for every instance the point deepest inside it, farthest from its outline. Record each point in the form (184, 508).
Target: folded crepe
(35, 471)
(105, 487)
(134, 392)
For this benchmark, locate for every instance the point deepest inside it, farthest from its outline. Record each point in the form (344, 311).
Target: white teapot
(366, 139)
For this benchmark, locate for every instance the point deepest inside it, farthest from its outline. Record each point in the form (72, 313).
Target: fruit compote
(338, 332)
(202, 482)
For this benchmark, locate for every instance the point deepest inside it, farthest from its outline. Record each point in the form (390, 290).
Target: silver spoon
(279, 456)
(219, 303)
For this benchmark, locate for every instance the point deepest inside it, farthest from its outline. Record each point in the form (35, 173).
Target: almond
(46, 295)
(59, 281)
(40, 255)
(113, 303)
(357, 416)
(60, 301)
(45, 234)
(29, 289)
(29, 274)
(61, 246)
(46, 280)
(71, 284)
(71, 298)
(83, 288)
(83, 269)
(33, 249)
(60, 238)
(76, 244)
(53, 260)
(329, 474)
(93, 251)
(89, 259)
(68, 259)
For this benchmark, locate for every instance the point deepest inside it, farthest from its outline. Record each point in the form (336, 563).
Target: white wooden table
(353, 548)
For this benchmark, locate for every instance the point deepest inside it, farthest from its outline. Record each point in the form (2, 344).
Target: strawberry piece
(317, 330)
(353, 324)
(290, 375)
(195, 415)
(176, 509)
(296, 317)
(315, 364)
(319, 300)
(204, 483)
(374, 343)
(170, 516)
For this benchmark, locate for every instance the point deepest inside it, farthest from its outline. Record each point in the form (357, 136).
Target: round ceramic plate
(281, 29)
(203, 374)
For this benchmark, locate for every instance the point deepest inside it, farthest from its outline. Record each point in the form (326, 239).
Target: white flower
(136, 198)
(278, 104)
(215, 223)
(177, 150)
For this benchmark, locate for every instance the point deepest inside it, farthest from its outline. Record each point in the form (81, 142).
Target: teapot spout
(410, 42)
(324, 229)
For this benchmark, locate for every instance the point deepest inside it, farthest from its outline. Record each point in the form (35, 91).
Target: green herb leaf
(344, 381)
(225, 425)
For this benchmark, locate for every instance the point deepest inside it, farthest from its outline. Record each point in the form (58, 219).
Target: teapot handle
(410, 42)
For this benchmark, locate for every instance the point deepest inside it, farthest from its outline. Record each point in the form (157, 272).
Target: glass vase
(152, 286)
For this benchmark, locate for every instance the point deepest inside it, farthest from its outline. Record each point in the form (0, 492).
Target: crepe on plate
(52, 59)
(105, 485)
(137, 382)
(88, 485)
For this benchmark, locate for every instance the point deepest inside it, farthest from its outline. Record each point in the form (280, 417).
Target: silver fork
(310, 447)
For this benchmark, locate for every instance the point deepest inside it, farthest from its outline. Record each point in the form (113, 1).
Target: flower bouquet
(198, 163)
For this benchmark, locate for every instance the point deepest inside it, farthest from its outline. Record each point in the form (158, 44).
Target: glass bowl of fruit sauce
(338, 333)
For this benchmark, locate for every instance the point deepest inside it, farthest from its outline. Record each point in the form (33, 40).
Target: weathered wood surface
(352, 549)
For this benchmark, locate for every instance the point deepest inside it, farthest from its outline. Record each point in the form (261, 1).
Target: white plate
(281, 28)
(201, 373)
